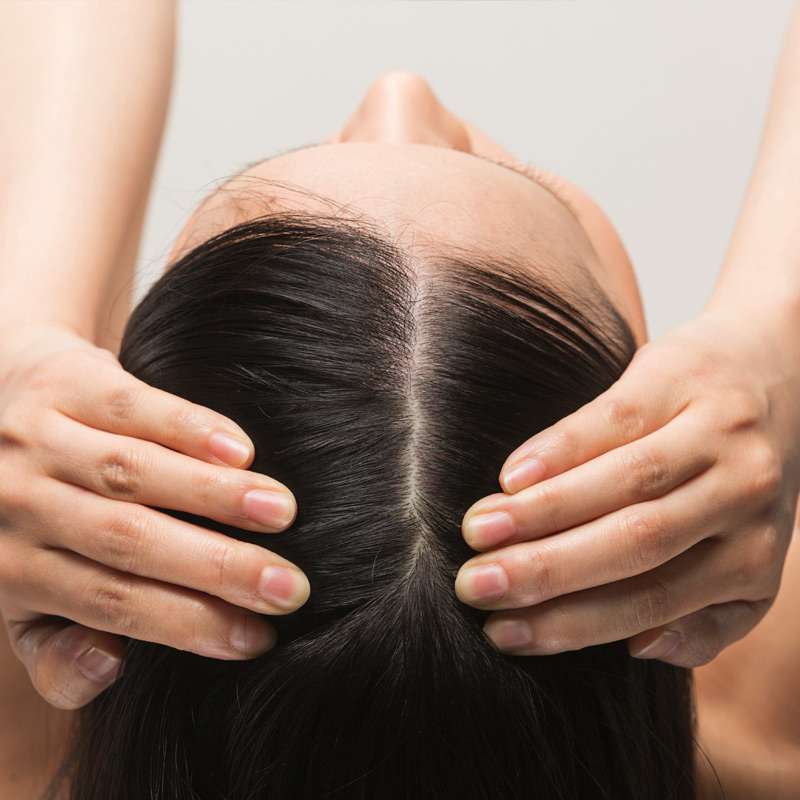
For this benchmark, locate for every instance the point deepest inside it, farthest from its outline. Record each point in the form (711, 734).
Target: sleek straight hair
(386, 392)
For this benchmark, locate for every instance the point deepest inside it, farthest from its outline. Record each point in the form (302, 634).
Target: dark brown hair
(386, 395)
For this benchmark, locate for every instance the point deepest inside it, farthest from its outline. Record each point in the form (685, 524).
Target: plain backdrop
(654, 107)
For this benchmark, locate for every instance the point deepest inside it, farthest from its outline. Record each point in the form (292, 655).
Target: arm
(666, 504)
(85, 88)
(751, 692)
(763, 260)
(89, 85)
(88, 453)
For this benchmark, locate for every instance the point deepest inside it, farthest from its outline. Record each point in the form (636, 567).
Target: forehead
(426, 198)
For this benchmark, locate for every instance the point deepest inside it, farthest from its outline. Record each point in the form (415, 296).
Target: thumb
(68, 664)
(697, 638)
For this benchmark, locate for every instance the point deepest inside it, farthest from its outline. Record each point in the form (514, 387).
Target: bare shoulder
(733, 762)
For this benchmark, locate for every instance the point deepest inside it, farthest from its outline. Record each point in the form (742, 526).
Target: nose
(402, 108)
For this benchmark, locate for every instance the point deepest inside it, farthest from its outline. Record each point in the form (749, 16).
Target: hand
(85, 447)
(660, 512)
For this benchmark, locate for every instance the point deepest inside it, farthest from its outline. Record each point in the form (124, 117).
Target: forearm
(762, 265)
(87, 85)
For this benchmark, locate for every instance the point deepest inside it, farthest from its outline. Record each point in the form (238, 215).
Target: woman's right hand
(85, 448)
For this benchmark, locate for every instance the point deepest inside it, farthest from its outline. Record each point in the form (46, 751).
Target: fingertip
(656, 644)
(508, 634)
(522, 474)
(275, 508)
(75, 665)
(525, 449)
(99, 666)
(252, 636)
(233, 450)
(491, 502)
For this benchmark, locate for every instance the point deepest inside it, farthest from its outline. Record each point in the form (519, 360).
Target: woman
(741, 614)
(383, 370)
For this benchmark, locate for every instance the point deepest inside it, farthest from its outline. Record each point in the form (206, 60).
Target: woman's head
(385, 385)
(388, 314)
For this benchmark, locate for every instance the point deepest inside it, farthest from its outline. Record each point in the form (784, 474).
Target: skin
(722, 394)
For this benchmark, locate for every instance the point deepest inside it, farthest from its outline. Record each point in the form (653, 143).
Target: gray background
(654, 107)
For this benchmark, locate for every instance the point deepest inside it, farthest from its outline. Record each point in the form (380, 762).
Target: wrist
(767, 337)
(19, 339)
(769, 309)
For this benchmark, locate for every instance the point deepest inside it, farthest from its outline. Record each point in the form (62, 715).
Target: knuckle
(222, 559)
(562, 438)
(546, 499)
(703, 368)
(15, 424)
(625, 417)
(183, 417)
(764, 473)
(761, 560)
(46, 372)
(209, 485)
(121, 472)
(204, 633)
(109, 604)
(538, 580)
(645, 537)
(122, 540)
(650, 608)
(644, 474)
(643, 352)
(121, 402)
(741, 409)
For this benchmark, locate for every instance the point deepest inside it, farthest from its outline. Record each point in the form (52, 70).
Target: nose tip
(401, 107)
(402, 84)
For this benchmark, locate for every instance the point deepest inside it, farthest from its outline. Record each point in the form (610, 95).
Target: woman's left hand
(663, 506)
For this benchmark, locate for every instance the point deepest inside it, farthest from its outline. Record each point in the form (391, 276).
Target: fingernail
(97, 665)
(660, 647)
(252, 637)
(231, 449)
(273, 508)
(487, 530)
(522, 451)
(508, 634)
(486, 582)
(524, 474)
(286, 588)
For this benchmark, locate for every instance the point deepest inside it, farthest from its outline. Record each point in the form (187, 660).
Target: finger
(58, 583)
(68, 665)
(698, 638)
(617, 546)
(143, 472)
(114, 400)
(637, 404)
(151, 544)
(643, 470)
(710, 572)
